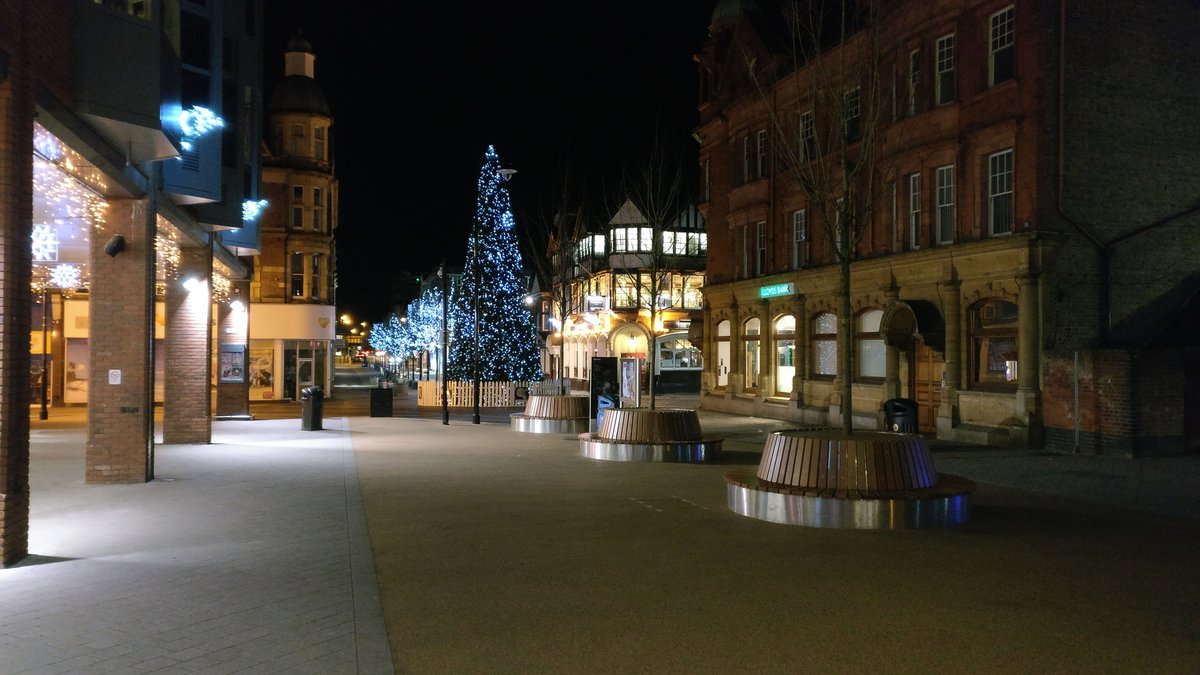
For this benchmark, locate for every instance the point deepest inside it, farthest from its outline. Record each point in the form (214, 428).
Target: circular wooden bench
(867, 480)
(553, 415)
(645, 435)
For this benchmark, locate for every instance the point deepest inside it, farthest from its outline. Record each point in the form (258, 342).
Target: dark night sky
(418, 91)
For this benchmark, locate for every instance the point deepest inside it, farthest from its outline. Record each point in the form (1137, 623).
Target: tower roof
(298, 91)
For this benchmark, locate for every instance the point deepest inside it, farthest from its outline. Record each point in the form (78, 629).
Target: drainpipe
(1076, 410)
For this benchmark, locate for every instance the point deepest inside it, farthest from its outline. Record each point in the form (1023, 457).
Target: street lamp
(445, 340)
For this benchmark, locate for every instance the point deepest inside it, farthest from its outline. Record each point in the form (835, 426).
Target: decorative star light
(65, 276)
(251, 209)
(45, 243)
(198, 120)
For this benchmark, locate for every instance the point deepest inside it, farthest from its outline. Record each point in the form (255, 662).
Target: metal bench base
(943, 510)
(594, 447)
(545, 425)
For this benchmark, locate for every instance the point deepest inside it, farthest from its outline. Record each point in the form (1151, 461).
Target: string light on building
(197, 121)
(65, 276)
(45, 243)
(221, 288)
(251, 209)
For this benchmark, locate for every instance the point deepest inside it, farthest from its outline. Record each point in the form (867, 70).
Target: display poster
(232, 366)
(631, 390)
(604, 381)
(262, 374)
(75, 385)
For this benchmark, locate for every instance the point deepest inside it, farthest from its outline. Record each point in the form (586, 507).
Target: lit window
(785, 353)
(824, 344)
(994, 332)
(722, 339)
(750, 338)
(872, 355)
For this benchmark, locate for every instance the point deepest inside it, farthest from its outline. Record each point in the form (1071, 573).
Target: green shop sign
(777, 290)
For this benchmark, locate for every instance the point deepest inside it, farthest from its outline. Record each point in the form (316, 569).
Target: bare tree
(552, 232)
(830, 149)
(657, 188)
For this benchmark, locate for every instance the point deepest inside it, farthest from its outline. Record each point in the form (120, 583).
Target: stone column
(799, 307)
(708, 350)
(1028, 349)
(766, 352)
(736, 351)
(233, 326)
(120, 437)
(948, 417)
(16, 227)
(187, 412)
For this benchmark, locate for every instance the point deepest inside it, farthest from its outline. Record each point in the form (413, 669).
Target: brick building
(292, 320)
(1028, 272)
(123, 135)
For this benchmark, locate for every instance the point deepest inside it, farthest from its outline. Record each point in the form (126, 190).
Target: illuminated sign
(777, 290)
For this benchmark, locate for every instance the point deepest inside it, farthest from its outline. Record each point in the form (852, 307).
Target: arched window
(723, 353)
(868, 344)
(785, 353)
(993, 331)
(824, 344)
(750, 338)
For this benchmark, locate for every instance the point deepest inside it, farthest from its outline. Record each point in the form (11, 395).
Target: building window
(994, 331)
(697, 243)
(1001, 52)
(808, 136)
(785, 353)
(824, 345)
(693, 298)
(799, 238)
(298, 194)
(945, 70)
(914, 80)
(317, 220)
(852, 124)
(760, 154)
(626, 292)
(297, 275)
(297, 217)
(319, 143)
(318, 197)
(723, 353)
(705, 186)
(314, 282)
(645, 239)
(944, 201)
(872, 355)
(760, 257)
(750, 337)
(619, 245)
(914, 211)
(1000, 193)
(298, 129)
(745, 251)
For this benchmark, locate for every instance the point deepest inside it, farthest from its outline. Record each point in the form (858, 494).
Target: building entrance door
(926, 384)
(304, 370)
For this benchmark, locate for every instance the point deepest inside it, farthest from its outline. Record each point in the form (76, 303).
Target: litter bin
(381, 399)
(312, 408)
(900, 414)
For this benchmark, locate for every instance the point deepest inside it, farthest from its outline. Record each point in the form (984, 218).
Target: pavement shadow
(33, 560)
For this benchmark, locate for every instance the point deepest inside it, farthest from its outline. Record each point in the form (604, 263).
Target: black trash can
(312, 408)
(900, 414)
(381, 400)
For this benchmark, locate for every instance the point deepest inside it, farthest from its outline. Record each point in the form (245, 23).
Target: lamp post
(475, 332)
(445, 340)
(44, 413)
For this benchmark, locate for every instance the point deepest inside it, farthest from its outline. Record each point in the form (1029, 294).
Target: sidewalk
(499, 552)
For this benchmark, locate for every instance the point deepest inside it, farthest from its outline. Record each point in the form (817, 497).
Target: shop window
(785, 353)
(824, 345)
(750, 338)
(994, 333)
(872, 355)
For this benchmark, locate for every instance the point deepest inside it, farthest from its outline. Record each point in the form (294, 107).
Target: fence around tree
(491, 394)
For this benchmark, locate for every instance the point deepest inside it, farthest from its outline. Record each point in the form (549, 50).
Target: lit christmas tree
(493, 277)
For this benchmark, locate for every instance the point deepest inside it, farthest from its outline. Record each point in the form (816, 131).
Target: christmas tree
(493, 283)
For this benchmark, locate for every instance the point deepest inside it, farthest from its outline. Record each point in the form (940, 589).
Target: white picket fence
(460, 394)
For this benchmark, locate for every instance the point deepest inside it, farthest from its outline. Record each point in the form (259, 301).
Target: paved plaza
(381, 545)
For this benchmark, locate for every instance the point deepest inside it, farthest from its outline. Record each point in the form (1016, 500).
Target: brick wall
(120, 327)
(1106, 413)
(187, 390)
(16, 181)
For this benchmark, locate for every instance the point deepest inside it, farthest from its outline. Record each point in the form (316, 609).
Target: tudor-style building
(616, 268)
(293, 322)
(1029, 273)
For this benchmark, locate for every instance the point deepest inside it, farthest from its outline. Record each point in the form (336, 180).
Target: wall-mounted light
(237, 305)
(115, 245)
(191, 283)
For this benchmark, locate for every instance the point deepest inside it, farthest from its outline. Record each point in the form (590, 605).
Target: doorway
(928, 368)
